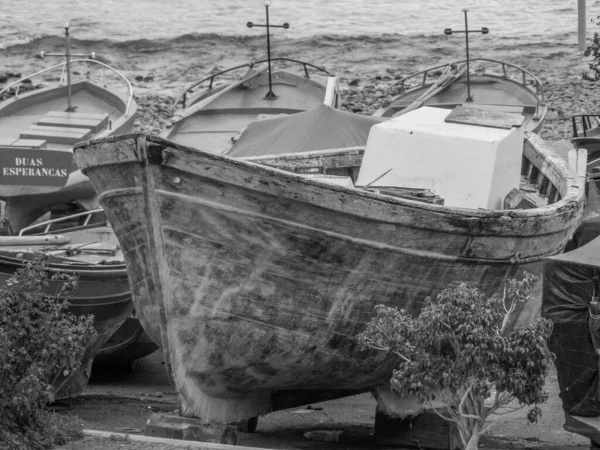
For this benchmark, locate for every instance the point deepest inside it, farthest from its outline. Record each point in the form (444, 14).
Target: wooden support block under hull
(170, 426)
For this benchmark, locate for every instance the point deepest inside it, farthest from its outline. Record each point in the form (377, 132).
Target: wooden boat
(505, 87)
(87, 248)
(256, 280)
(130, 342)
(586, 135)
(39, 127)
(214, 118)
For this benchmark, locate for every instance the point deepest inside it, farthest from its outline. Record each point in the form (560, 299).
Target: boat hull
(257, 281)
(105, 294)
(129, 343)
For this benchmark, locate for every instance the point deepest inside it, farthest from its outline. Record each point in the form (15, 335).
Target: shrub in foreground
(40, 341)
(461, 360)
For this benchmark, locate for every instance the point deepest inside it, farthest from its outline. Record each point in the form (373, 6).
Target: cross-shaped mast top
(484, 30)
(270, 95)
(68, 54)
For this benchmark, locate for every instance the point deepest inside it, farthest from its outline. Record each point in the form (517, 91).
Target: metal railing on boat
(587, 124)
(522, 79)
(85, 223)
(183, 97)
(62, 81)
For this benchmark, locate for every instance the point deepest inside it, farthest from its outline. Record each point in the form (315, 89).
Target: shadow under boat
(40, 126)
(257, 279)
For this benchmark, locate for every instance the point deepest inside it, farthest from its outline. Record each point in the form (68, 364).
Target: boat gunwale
(249, 65)
(537, 82)
(202, 102)
(78, 268)
(573, 198)
(127, 100)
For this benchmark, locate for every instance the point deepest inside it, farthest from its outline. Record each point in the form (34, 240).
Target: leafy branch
(462, 358)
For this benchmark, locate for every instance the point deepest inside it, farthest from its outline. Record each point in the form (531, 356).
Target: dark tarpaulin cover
(571, 290)
(321, 128)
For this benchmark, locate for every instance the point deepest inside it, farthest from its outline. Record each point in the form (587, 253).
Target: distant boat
(257, 280)
(39, 127)
(86, 247)
(215, 117)
(494, 85)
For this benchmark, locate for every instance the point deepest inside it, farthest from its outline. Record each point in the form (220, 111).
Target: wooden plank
(54, 239)
(57, 135)
(503, 108)
(78, 115)
(478, 116)
(34, 143)
(94, 124)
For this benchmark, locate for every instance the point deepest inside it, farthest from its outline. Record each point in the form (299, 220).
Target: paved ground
(122, 403)
(106, 441)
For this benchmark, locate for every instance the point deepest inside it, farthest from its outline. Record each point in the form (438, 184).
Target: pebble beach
(160, 70)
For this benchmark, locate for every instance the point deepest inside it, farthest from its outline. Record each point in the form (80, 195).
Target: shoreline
(160, 71)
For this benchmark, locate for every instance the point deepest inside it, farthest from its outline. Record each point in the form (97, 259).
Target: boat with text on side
(87, 248)
(257, 279)
(493, 84)
(39, 127)
(212, 117)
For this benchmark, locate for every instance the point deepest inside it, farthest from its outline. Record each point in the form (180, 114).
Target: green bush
(40, 341)
(593, 50)
(460, 357)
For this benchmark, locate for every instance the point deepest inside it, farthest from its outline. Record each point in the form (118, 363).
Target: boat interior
(44, 118)
(214, 118)
(82, 238)
(540, 182)
(507, 88)
(40, 120)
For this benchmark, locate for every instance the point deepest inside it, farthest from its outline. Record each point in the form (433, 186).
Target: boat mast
(581, 24)
(68, 54)
(270, 95)
(484, 30)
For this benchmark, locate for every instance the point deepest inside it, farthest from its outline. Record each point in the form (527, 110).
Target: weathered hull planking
(256, 281)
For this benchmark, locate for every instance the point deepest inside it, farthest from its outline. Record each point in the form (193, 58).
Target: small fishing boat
(586, 135)
(86, 247)
(39, 127)
(215, 116)
(492, 84)
(257, 279)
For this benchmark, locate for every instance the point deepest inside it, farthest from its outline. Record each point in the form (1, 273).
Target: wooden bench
(94, 122)
(31, 143)
(57, 135)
